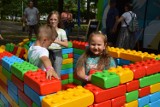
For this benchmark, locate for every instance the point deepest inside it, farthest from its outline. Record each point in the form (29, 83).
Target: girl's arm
(50, 70)
(81, 74)
(62, 43)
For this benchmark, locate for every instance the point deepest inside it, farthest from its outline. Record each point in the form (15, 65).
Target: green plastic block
(131, 96)
(65, 56)
(19, 69)
(6, 73)
(11, 48)
(158, 58)
(70, 45)
(146, 106)
(71, 76)
(149, 80)
(22, 103)
(2, 103)
(33, 39)
(26, 46)
(7, 47)
(34, 105)
(105, 79)
(70, 80)
(78, 51)
(78, 82)
(66, 81)
(67, 66)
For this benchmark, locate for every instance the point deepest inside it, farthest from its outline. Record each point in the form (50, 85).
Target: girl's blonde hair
(104, 57)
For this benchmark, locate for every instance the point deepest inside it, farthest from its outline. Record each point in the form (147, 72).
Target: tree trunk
(60, 6)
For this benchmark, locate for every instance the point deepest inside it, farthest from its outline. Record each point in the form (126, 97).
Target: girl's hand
(56, 41)
(51, 73)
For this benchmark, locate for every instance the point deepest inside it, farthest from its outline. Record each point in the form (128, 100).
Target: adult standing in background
(112, 16)
(67, 21)
(31, 16)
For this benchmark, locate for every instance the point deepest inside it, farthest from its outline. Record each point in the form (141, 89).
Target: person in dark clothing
(112, 16)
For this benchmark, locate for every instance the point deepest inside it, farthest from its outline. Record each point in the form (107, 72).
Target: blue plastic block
(13, 95)
(12, 87)
(67, 50)
(33, 95)
(67, 71)
(4, 100)
(155, 104)
(76, 56)
(8, 61)
(121, 62)
(154, 97)
(143, 101)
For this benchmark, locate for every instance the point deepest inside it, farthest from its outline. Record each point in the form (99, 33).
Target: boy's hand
(51, 73)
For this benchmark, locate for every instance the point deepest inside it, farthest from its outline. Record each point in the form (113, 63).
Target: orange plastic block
(38, 82)
(132, 104)
(149, 56)
(67, 61)
(1, 50)
(154, 88)
(125, 74)
(114, 52)
(3, 78)
(131, 55)
(18, 51)
(73, 97)
(103, 104)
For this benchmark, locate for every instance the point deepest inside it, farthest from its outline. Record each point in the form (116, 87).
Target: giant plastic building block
(13, 95)
(25, 98)
(131, 96)
(65, 56)
(143, 101)
(133, 85)
(3, 77)
(78, 51)
(19, 69)
(22, 103)
(155, 87)
(33, 95)
(154, 104)
(38, 82)
(67, 71)
(67, 66)
(149, 80)
(123, 73)
(111, 93)
(144, 91)
(73, 97)
(6, 73)
(17, 82)
(119, 101)
(132, 104)
(2, 103)
(67, 61)
(5, 53)
(67, 50)
(105, 79)
(12, 87)
(114, 52)
(102, 104)
(154, 97)
(3, 85)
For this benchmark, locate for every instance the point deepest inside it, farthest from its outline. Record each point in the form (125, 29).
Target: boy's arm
(50, 70)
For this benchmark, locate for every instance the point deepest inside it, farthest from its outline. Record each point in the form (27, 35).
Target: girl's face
(97, 45)
(54, 20)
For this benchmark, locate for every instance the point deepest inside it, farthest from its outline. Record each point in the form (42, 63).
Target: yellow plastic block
(67, 61)
(154, 88)
(3, 78)
(125, 74)
(132, 104)
(25, 40)
(73, 97)
(3, 47)
(18, 51)
(114, 52)
(9, 99)
(149, 56)
(1, 50)
(21, 44)
(0, 68)
(132, 55)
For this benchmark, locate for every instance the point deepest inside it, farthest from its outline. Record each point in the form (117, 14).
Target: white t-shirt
(61, 37)
(34, 55)
(127, 16)
(31, 14)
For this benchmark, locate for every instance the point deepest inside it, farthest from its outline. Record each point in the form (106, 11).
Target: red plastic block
(65, 76)
(103, 104)
(138, 70)
(18, 82)
(133, 85)
(153, 66)
(15, 50)
(38, 82)
(25, 98)
(144, 91)
(101, 95)
(119, 101)
(22, 53)
(70, 55)
(66, 86)
(92, 71)
(3, 85)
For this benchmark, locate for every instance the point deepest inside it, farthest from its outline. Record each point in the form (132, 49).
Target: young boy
(38, 53)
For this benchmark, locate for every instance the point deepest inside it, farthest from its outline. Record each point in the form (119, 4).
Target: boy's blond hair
(47, 31)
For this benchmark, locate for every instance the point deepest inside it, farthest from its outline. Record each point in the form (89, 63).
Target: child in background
(38, 53)
(95, 57)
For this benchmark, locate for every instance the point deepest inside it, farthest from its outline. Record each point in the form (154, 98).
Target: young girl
(95, 57)
(56, 47)
(38, 54)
